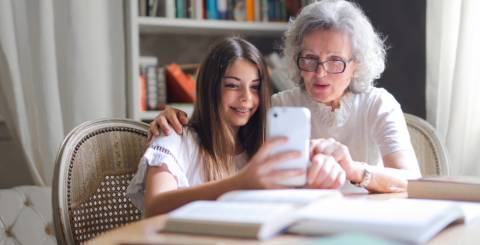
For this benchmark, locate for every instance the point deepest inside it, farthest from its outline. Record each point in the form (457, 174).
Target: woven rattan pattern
(108, 207)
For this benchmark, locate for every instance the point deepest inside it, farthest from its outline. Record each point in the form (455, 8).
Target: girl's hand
(260, 172)
(340, 154)
(169, 117)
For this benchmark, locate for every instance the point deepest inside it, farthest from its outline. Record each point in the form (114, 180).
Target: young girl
(226, 130)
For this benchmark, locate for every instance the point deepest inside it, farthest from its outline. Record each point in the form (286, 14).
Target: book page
(296, 197)
(234, 212)
(418, 220)
(407, 212)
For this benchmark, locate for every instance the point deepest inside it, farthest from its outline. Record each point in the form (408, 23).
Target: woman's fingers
(171, 117)
(340, 180)
(163, 124)
(325, 173)
(174, 122)
(183, 117)
(153, 130)
(315, 166)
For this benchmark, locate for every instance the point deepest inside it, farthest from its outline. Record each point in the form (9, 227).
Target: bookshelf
(170, 40)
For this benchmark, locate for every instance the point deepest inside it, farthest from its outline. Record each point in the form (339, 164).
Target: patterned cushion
(26, 216)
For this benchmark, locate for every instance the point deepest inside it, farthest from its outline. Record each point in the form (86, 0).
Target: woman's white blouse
(180, 155)
(371, 124)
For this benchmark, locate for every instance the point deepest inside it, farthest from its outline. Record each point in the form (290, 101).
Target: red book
(180, 86)
(143, 92)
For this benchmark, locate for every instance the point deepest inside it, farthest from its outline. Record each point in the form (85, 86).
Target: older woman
(335, 55)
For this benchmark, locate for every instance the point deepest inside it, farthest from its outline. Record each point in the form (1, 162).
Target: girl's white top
(179, 153)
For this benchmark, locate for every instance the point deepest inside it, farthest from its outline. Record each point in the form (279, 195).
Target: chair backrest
(430, 151)
(94, 166)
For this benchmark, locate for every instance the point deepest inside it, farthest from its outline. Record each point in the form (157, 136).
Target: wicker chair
(94, 166)
(430, 151)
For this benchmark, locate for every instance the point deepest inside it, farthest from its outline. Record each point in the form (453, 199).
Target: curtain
(61, 63)
(453, 85)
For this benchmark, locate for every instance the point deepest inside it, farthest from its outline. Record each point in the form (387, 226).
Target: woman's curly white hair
(368, 48)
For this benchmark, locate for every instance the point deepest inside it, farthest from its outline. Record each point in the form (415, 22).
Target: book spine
(198, 9)
(250, 11)
(152, 8)
(258, 10)
(170, 9)
(180, 9)
(239, 13)
(161, 87)
(222, 9)
(265, 11)
(180, 86)
(212, 9)
(143, 92)
(151, 76)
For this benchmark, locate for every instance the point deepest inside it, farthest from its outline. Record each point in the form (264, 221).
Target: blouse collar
(324, 115)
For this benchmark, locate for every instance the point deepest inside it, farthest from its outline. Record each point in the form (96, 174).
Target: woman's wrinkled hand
(169, 117)
(339, 153)
(324, 172)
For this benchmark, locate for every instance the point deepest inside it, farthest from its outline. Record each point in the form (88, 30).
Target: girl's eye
(231, 85)
(255, 87)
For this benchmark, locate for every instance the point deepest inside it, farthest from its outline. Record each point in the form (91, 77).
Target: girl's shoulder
(179, 146)
(174, 139)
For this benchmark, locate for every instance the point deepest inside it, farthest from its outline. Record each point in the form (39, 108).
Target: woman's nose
(321, 71)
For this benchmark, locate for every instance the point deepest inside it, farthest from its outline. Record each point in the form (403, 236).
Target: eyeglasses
(311, 64)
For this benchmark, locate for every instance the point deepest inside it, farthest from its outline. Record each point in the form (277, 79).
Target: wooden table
(147, 232)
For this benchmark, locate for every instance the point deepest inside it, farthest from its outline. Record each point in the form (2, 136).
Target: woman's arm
(398, 167)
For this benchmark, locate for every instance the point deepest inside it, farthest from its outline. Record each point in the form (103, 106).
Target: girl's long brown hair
(215, 139)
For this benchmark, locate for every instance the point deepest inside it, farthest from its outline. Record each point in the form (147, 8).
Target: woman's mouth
(321, 86)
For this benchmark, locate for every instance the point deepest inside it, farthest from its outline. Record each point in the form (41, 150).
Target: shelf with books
(191, 26)
(178, 41)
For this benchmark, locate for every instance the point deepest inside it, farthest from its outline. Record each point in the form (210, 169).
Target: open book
(262, 214)
(256, 214)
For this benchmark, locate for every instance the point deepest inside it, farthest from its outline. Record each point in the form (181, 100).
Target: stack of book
(160, 85)
(459, 188)
(153, 88)
(238, 10)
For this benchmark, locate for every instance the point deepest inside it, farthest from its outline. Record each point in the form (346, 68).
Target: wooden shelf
(150, 115)
(209, 27)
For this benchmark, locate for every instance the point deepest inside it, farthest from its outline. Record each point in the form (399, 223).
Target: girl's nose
(246, 94)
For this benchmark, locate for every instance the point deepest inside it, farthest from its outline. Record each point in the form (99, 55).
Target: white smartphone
(294, 123)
